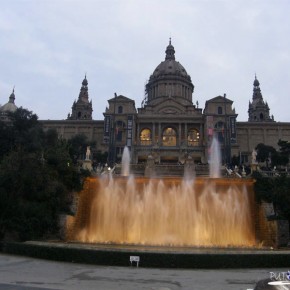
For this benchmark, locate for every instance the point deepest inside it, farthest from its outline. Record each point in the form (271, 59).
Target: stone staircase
(164, 169)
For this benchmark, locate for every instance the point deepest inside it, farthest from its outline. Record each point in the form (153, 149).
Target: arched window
(120, 110)
(261, 116)
(169, 137)
(193, 137)
(145, 137)
(220, 110)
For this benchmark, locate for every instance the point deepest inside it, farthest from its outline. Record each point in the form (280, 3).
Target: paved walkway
(22, 273)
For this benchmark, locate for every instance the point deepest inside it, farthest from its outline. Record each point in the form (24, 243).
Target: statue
(88, 153)
(244, 172)
(87, 163)
(254, 156)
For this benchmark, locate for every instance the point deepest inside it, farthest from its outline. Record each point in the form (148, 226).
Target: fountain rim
(179, 179)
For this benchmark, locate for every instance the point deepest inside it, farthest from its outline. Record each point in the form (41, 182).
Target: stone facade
(169, 125)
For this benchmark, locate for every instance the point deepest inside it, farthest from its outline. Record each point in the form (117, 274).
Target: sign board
(135, 259)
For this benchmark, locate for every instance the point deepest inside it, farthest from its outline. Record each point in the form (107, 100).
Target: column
(138, 134)
(153, 134)
(159, 134)
(179, 134)
(200, 134)
(185, 134)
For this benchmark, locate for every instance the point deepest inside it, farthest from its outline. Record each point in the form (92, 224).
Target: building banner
(107, 126)
(129, 131)
(233, 131)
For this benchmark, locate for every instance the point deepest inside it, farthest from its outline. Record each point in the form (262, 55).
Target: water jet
(126, 162)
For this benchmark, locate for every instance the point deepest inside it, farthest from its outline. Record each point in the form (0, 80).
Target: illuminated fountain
(126, 162)
(214, 159)
(166, 211)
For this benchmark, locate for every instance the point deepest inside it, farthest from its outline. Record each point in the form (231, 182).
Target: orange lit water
(168, 211)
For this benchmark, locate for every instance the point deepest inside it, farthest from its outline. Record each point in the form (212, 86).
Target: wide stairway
(165, 169)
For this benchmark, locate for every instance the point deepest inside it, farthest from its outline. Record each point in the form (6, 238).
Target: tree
(265, 152)
(268, 154)
(283, 158)
(78, 146)
(274, 190)
(284, 147)
(101, 157)
(6, 140)
(37, 177)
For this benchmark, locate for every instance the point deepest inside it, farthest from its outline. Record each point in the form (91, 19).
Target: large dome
(170, 67)
(169, 79)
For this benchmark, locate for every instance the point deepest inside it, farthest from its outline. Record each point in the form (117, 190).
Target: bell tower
(259, 110)
(82, 109)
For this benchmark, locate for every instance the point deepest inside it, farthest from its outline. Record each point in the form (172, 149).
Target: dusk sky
(47, 47)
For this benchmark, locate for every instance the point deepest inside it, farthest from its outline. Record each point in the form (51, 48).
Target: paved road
(22, 273)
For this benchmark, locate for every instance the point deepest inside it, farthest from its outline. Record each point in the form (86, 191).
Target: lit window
(193, 137)
(169, 137)
(145, 137)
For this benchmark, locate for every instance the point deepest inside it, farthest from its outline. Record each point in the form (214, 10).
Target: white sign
(135, 259)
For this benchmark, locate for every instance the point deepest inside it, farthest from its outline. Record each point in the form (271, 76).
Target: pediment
(219, 99)
(169, 110)
(169, 107)
(120, 98)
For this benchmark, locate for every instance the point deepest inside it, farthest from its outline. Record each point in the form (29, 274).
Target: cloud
(48, 46)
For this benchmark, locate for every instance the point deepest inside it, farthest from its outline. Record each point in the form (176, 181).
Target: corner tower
(259, 110)
(169, 80)
(82, 109)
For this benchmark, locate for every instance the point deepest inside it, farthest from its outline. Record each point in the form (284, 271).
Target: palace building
(169, 125)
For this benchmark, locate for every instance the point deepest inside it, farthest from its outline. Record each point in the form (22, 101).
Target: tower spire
(82, 108)
(84, 95)
(12, 96)
(258, 109)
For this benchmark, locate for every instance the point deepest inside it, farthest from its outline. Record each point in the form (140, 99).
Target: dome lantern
(170, 51)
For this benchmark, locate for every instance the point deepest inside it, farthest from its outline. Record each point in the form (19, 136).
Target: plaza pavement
(23, 273)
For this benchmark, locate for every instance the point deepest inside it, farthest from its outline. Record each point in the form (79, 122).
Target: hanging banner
(233, 131)
(129, 131)
(107, 126)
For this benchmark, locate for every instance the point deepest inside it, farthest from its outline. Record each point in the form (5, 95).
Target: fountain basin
(204, 212)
